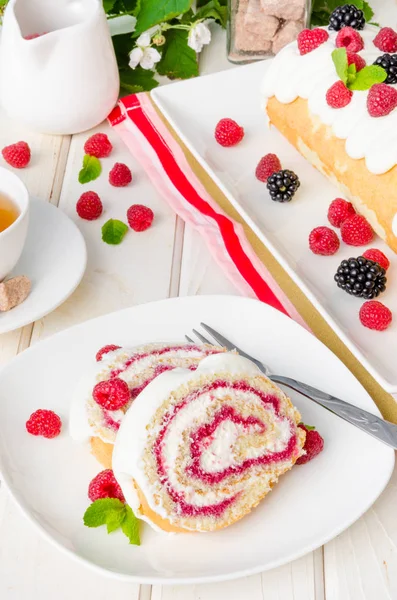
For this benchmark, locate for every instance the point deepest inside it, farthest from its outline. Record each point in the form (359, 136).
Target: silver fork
(383, 430)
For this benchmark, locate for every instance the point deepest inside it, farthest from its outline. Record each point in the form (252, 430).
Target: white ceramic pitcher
(66, 80)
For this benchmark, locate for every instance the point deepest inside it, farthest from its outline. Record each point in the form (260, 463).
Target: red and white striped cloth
(152, 144)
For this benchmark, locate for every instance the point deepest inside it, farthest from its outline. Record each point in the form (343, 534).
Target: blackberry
(389, 63)
(282, 185)
(347, 15)
(361, 277)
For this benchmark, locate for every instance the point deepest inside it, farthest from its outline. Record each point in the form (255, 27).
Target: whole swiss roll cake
(197, 451)
(350, 135)
(105, 394)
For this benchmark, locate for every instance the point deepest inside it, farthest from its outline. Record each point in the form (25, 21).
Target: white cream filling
(310, 76)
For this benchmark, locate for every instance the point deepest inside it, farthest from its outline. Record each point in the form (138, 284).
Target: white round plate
(54, 258)
(309, 506)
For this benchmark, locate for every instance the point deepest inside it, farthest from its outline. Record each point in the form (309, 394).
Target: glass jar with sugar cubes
(260, 28)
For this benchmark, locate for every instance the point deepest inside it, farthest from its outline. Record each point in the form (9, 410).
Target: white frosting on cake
(310, 76)
(133, 434)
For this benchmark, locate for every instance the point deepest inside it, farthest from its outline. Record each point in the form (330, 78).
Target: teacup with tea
(14, 217)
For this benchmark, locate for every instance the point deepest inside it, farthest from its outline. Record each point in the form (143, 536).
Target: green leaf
(178, 60)
(213, 10)
(130, 527)
(123, 45)
(367, 77)
(108, 5)
(368, 12)
(351, 73)
(103, 511)
(308, 427)
(113, 231)
(125, 7)
(91, 169)
(157, 11)
(339, 57)
(137, 80)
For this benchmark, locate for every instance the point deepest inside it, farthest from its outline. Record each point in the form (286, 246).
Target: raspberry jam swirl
(210, 457)
(204, 448)
(138, 367)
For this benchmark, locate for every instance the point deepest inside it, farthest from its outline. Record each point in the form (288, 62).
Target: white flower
(143, 54)
(147, 57)
(146, 37)
(199, 36)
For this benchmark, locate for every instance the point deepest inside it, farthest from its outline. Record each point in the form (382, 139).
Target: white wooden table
(168, 260)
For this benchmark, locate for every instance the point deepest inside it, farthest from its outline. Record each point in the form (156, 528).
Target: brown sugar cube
(288, 33)
(247, 41)
(257, 22)
(13, 292)
(290, 10)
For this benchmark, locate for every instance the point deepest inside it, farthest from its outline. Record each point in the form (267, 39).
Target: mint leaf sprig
(115, 515)
(91, 169)
(113, 231)
(356, 80)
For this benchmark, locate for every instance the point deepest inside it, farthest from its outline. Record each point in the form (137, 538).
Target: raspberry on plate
(98, 145)
(104, 350)
(350, 39)
(268, 164)
(386, 40)
(381, 100)
(140, 217)
(120, 175)
(324, 241)
(375, 315)
(314, 444)
(378, 257)
(89, 206)
(310, 39)
(339, 210)
(356, 231)
(17, 155)
(356, 59)
(338, 95)
(111, 394)
(104, 485)
(44, 422)
(228, 133)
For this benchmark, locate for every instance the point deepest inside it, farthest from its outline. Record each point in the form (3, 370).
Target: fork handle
(383, 430)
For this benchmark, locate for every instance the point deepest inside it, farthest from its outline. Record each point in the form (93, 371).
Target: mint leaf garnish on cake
(91, 169)
(115, 515)
(353, 79)
(113, 231)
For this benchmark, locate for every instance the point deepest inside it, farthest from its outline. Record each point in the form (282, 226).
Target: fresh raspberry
(139, 217)
(89, 206)
(381, 100)
(120, 175)
(339, 210)
(356, 59)
(104, 485)
(109, 348)
(338, 95)
(98, 145)
(17, 155)
(314, 444)
(324, 241)
(386, 40)
(267, 165)
(310, 39)
(111, 394)
(378, 257)
(350, 39)
(44, 422)
(375, 315)
(228, 133)
(356, 231)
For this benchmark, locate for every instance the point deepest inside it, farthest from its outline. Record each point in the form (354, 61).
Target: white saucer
(309, 506)
(54, 259)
